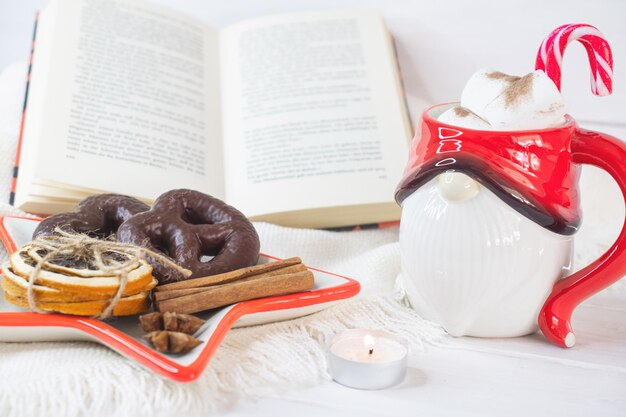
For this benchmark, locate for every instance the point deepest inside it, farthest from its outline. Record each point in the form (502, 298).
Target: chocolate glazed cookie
(190, 227)
(98, 216)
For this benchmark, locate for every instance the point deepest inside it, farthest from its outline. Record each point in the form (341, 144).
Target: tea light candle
(368, 359)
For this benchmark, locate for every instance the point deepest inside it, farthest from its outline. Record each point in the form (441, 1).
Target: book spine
(18, 152)
(368, 226)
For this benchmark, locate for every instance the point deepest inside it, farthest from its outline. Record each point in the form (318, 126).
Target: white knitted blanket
(72, 379)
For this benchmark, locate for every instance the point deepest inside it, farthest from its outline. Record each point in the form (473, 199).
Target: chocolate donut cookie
(98, 216)
(191, 227)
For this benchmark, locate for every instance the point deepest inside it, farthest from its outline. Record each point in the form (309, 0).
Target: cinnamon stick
(234, 292)
(167, 294)
(229, 276)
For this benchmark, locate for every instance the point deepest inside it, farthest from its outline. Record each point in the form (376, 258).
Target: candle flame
(368, 342)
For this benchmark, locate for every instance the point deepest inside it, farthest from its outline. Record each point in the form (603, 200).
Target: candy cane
(551, 51)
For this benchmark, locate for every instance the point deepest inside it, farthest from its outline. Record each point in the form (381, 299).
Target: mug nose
(456, 186)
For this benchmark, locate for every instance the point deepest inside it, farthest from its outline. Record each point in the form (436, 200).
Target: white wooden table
(439, 45)
(499, 377)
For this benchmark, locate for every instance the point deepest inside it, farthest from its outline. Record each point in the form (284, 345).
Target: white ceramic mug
(488, 218)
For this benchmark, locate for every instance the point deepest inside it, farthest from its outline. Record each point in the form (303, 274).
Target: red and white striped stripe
(551, 51)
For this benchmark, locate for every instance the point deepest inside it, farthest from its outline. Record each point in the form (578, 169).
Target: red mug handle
(608, 153)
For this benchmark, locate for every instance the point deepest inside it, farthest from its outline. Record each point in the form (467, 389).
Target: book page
(313, 112)
(136, 101)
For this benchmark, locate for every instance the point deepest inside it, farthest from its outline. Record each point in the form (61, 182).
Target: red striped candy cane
(551, 51)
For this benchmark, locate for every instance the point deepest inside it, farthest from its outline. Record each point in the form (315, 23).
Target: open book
(295, 119)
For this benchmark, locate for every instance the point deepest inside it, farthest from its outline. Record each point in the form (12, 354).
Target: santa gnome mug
(490, 201)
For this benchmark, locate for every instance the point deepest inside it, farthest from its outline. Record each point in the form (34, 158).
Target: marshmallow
(532, 102)
(462, 117)
(483, 87)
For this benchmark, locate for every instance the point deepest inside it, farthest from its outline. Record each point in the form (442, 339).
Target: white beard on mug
(490, 263)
